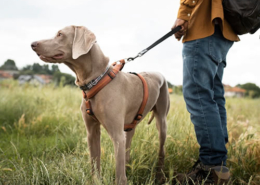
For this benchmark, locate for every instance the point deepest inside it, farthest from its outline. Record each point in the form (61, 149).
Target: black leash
(141, 53)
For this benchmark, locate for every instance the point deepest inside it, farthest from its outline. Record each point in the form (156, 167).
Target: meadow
(43, 140)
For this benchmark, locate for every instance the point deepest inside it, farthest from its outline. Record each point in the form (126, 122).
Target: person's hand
(184, 27)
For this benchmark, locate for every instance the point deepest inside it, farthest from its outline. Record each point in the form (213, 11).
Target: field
(43, 140)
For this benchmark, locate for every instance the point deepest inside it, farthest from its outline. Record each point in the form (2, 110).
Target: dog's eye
(59, 34)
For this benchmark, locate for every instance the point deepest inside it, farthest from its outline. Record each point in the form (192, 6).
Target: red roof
(235, 89)
(5, 74)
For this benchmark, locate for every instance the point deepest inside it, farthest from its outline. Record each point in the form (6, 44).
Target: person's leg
(202, 60)
(220, 99)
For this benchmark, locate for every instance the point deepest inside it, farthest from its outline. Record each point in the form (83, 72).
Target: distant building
(35, 79)
(5, 75)
(11, 72)
(24, 79)
(234, 91)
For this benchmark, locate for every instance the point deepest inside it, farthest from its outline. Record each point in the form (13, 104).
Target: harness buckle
(83, 88)
(138, 117)
(89, 112)
(111, 76)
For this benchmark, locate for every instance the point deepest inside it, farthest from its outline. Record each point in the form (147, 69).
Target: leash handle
(141, 53)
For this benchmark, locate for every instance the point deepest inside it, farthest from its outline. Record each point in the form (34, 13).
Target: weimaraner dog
(117, 103)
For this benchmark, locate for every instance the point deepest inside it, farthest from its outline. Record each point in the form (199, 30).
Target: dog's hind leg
(162, 128)
(129, 136)
(160, 112)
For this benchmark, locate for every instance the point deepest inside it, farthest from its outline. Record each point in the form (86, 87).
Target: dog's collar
(93, 82)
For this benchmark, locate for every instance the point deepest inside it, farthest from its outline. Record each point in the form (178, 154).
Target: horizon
(49, 66)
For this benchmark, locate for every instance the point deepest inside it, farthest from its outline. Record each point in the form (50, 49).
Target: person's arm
(184, 14)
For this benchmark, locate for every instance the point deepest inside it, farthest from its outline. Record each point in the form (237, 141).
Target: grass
(43, 140)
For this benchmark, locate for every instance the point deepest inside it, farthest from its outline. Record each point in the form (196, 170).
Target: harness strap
(90, 111)
(106, 79)
(139, 115)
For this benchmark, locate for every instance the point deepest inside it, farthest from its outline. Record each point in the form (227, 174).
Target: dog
(117, 103)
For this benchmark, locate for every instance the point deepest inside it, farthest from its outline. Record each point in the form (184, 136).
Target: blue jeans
(203, 66)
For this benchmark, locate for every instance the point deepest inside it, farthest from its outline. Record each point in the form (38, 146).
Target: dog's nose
(34, 45)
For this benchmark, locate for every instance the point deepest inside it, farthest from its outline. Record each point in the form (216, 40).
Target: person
(207, 38)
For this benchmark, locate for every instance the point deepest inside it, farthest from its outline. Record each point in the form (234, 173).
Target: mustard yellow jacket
(200, 15)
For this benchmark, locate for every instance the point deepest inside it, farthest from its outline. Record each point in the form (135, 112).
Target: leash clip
(141, 53)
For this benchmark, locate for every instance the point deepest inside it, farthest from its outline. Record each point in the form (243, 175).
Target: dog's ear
(83, 41)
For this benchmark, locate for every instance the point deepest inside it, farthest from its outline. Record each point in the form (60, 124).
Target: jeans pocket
(215, 50)
(189, 48)
(218, 48)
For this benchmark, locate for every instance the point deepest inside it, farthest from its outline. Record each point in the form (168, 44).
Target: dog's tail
(151, 118)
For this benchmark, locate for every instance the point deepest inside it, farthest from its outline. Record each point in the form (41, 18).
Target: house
(46, 78)
(24, 79)
(5, 75)
(12, 72)
(234, 91)
(35, 79)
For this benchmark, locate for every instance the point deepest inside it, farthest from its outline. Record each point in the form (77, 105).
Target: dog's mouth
(54, 57)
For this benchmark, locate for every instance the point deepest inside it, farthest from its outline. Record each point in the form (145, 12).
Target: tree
(27, 68)
(45, 69)
(37, 68)
(169, 84)
(63, 79)
(9, 65)
(40, 69)
(252, 90)
(54, 69)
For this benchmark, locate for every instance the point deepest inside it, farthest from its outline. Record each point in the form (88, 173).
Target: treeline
(53, 70)
(252, 90)
(40, 69)
(175, 89)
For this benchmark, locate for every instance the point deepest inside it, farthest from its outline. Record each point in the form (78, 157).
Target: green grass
(43, 140)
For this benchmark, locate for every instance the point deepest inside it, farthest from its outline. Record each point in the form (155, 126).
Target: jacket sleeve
(185, 10)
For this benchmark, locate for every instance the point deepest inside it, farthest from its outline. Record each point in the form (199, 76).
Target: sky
(123, 28)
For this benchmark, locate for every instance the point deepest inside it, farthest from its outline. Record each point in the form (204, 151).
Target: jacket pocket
(190, 3)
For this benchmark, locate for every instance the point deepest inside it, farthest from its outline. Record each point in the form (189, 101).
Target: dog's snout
(34, 45)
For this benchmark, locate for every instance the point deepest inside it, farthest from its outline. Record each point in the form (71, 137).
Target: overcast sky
(122, 27)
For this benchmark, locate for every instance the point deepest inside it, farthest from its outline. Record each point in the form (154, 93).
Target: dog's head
(69, 44)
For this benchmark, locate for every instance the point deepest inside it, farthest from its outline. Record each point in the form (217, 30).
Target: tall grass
(43, 140)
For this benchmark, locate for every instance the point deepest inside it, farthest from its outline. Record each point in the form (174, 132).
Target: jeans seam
(201, 107)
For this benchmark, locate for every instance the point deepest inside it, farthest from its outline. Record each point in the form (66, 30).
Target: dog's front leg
(119, 148)
(116, 132)
(93, 135)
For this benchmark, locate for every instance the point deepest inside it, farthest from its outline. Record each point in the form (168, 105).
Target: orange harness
(104, 81)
